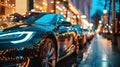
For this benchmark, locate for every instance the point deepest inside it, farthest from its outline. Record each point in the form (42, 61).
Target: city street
(60, 33)
(100, 53)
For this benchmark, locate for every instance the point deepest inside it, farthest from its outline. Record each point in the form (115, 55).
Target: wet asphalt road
(100, 53)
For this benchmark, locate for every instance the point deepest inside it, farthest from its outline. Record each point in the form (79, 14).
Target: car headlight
(16, 37)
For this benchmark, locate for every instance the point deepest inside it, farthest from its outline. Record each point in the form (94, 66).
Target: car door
(65, 38)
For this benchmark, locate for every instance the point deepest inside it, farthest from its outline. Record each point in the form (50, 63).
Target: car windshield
(46, 19)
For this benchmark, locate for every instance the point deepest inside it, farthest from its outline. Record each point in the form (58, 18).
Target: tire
(48, 52)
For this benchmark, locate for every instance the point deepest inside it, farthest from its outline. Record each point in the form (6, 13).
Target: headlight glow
(17, 37)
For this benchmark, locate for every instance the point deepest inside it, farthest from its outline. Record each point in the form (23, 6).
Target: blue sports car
(43, 40)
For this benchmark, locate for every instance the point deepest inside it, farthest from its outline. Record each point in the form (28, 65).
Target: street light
(105, 11)
(83, 16)
(100, 22)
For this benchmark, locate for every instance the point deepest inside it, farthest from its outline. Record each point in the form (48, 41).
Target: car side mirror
(63, 23)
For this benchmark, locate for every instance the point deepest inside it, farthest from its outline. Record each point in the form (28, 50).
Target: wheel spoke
(49, 49)
(49, 55)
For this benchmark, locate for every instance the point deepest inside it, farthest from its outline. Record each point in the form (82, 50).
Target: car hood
(30, 27)
(22, 37)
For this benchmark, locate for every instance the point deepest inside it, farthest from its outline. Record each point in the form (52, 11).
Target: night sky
(99, 5)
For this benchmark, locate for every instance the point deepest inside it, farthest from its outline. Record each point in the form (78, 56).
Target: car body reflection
(45, 36)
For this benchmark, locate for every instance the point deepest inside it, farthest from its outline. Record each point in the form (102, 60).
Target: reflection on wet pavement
(100, 53)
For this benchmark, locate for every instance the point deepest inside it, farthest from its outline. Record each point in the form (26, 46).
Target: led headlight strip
(28, 35)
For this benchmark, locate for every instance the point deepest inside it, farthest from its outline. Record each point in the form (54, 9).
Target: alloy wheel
(48, 53)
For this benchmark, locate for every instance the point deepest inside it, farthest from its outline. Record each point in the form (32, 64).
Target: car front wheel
(48, 53)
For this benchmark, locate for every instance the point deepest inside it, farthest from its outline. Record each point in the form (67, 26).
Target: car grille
(11, 56)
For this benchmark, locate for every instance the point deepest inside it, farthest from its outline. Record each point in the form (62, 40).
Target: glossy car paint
(23, 41)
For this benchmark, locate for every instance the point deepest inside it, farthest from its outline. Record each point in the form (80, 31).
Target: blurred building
(70, 9)
(64, 7)
(84, 7)
(7, 6)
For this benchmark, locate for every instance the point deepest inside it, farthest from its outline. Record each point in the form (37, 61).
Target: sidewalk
(100, 53)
